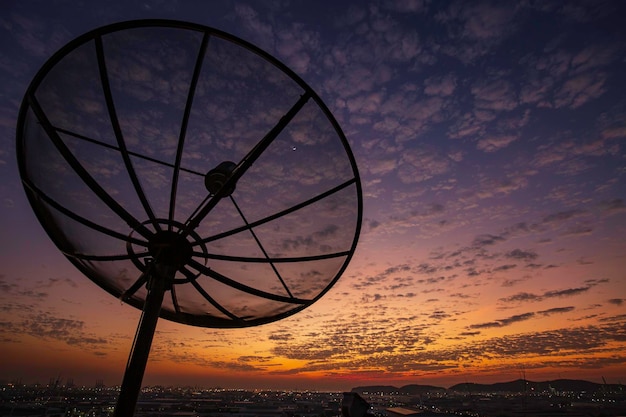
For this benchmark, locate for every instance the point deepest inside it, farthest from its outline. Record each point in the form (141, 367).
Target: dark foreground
(484, 401)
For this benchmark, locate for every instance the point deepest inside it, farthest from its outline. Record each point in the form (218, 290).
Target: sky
(490, 142)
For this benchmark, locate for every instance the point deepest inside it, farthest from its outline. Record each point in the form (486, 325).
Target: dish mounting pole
(159, 281)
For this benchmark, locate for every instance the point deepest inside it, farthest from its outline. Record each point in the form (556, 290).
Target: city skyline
(490, 142)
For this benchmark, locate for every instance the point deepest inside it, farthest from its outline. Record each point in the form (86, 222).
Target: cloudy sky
(489, 138)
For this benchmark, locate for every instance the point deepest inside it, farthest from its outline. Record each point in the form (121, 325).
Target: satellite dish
(190, 174)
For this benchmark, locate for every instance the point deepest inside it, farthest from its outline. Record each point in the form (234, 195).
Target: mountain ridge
(518, 385)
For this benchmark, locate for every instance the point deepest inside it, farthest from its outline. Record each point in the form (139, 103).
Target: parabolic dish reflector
(151, 139)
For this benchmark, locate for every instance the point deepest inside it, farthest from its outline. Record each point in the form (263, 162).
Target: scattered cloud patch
(522, 255)
(503, 322)
(568, 292)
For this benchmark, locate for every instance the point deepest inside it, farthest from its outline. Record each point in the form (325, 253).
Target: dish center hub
(169, 248)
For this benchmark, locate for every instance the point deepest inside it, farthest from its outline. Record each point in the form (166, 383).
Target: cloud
(496, 95)
(613, 206)
(473, 333)
(474, 29)
(619, 319)
(350, 350)
(368, 104)
(617, 301)
(467, 125)
(406, 115)
(568, 292)
(407, 6)
(252, 22)
(512, 282)
(13, 289)
(60, 281)
(503, 322)
(45, 326)
(440, 86)
(295, 46)
(7, 287)
(504, 267)
(383, 276)
(592, 57)
(426, 268)
(571, 156)
(614, 132)
(556, 310)
(280, 335)
(238, 366)
(460, 295)
(37, 37)
(372, 298)
(433, 209)
(521, 296)
(486, 240)
(577, 230)
(382, 166)
(492, 186)
(419, 165)
(495, 143)
(536, 91)
(439, 315)
(484, 21)
(316, 240)
(562, 216)
(580, 89)
(523, 255)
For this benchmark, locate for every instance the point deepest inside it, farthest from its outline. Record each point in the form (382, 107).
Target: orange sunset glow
(490, 141)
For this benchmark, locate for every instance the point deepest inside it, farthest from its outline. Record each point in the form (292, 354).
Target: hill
(519, 385)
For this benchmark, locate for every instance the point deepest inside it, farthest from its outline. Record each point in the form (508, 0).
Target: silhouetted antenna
(189, 174)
